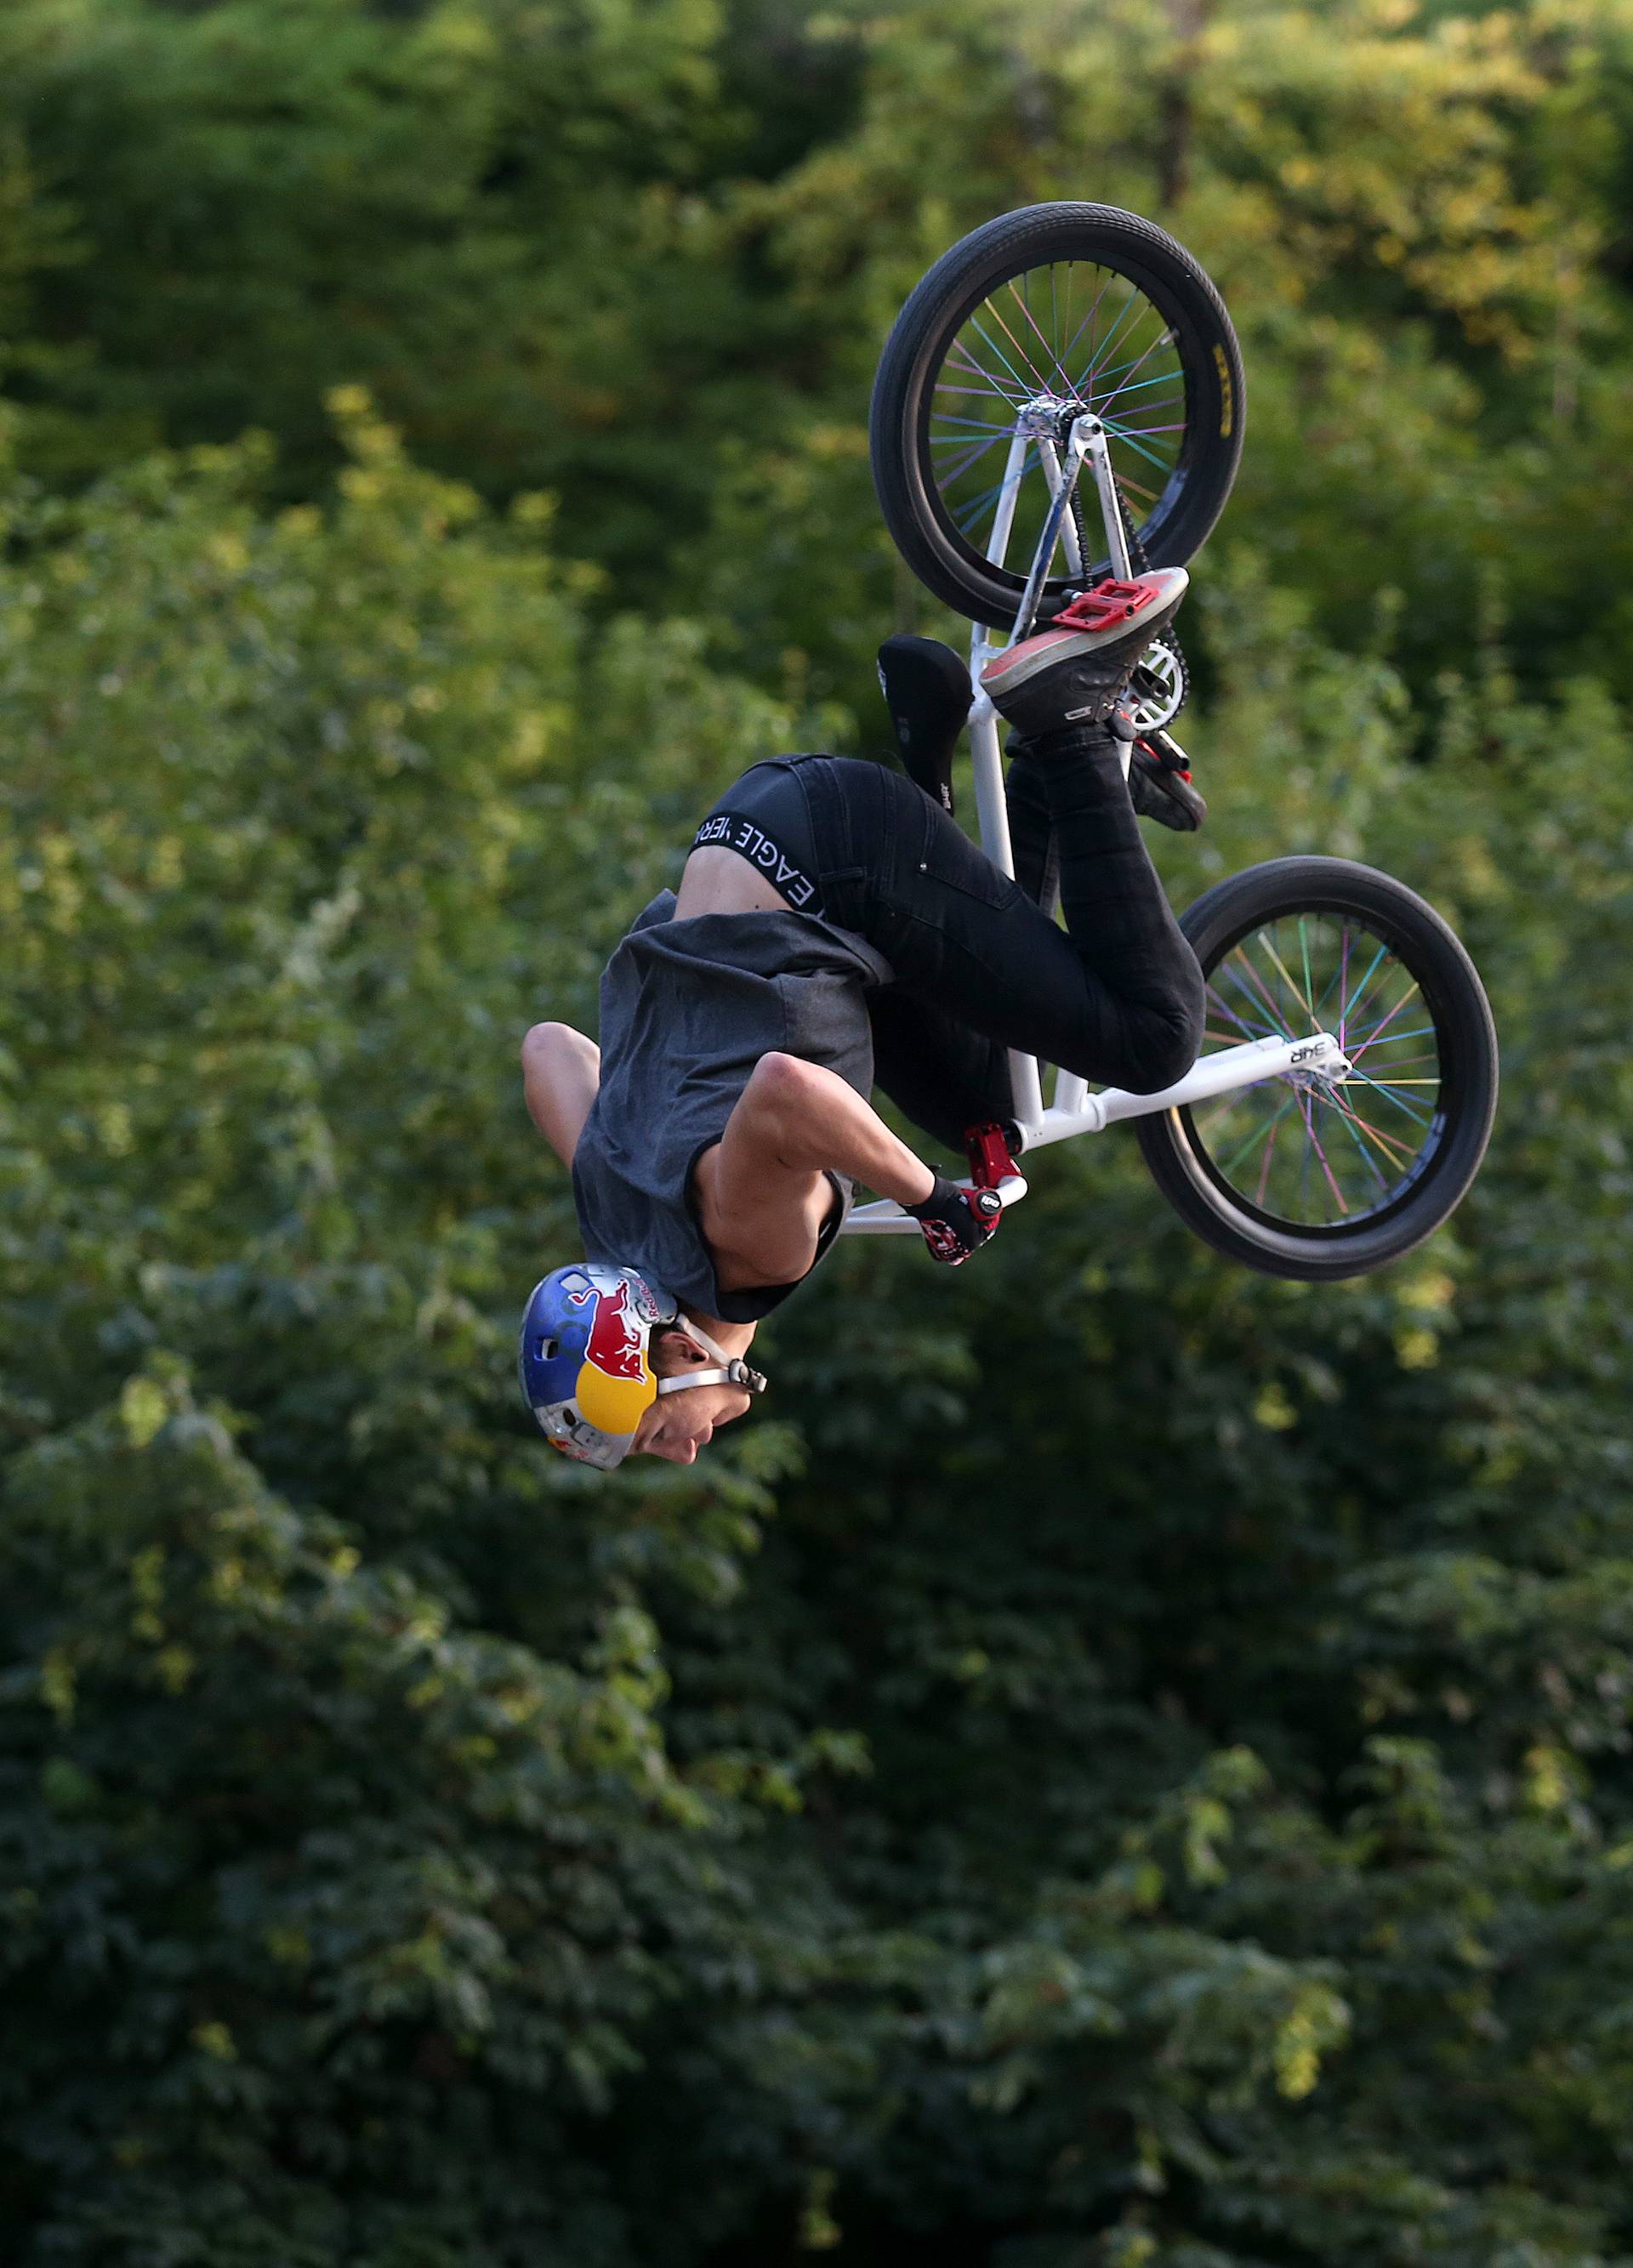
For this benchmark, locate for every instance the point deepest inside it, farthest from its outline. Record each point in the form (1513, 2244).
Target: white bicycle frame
(1074, 1107)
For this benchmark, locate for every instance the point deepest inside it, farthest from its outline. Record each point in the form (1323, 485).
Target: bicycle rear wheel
(1029, 322)
(1319, 1178)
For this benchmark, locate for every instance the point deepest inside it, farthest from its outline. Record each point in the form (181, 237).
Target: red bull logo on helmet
(617, 1343)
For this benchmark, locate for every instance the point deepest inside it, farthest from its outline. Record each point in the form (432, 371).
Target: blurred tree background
(1150, 1793)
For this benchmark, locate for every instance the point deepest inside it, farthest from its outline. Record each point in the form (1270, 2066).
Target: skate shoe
(1073, 672)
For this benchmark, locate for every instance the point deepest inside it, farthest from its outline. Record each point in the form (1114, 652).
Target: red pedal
(1109, 602)
(988, 1154)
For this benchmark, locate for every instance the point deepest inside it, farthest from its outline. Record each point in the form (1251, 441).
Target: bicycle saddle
(928, 691)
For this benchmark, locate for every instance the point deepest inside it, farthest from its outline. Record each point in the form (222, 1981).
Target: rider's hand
(957, 1221)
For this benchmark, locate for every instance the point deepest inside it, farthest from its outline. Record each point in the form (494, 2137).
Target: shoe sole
(1022, 663)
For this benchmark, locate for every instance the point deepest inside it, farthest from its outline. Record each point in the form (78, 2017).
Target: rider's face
(678, 1424)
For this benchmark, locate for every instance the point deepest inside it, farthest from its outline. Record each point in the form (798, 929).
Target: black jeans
(980, 968)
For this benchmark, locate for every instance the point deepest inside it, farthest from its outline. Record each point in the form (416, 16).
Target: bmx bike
(1343, 1098)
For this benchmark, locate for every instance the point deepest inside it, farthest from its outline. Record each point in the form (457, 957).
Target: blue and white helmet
(585, 1365)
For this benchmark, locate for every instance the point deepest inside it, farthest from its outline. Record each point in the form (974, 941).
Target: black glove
(957, 1221)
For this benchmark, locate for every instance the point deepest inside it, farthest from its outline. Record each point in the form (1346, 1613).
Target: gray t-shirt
(687, 1010)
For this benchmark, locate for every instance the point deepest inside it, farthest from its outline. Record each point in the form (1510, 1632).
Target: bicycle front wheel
(1324, 1178)
(1036, 319)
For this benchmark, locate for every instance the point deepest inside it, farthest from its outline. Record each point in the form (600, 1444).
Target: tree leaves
(1125, 1762)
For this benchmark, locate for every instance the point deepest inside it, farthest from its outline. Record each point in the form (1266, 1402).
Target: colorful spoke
(1119, 433)
(971, 451)
(967, 367)
(974, 509)
(1024, 352)
(1276, 1144)
(1048, 350)
(1280, 966)
(1373, 1036)
(1083, 385)
(1087, 321)
(1278, 1020)
(1029, 385)
(1260, 1134)
(1070, 345)
(1304, 947)
(1258, 1029)
(1350, 1006)
(1314, 1140)
(970, 392)
(1369, 1164)
(1139, 384)
(1390, 1147)
(970, 425)
(1424, 1117)
(1161, 339)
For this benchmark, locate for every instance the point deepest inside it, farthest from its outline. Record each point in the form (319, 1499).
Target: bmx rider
(835, 928)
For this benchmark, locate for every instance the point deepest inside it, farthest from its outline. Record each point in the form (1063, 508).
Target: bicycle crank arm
(1164, 747)
(885, 1219)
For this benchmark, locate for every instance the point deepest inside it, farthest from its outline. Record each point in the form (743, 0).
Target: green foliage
(1149, 1788)
(645, 257)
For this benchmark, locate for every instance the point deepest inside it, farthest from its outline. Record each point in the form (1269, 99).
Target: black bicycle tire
(1456, 999)
(942, 300)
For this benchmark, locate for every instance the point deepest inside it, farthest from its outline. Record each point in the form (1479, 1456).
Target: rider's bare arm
(560, 1072)
(762, 1191)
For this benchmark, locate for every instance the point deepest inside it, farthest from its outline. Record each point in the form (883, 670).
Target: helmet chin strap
(733, 1370)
